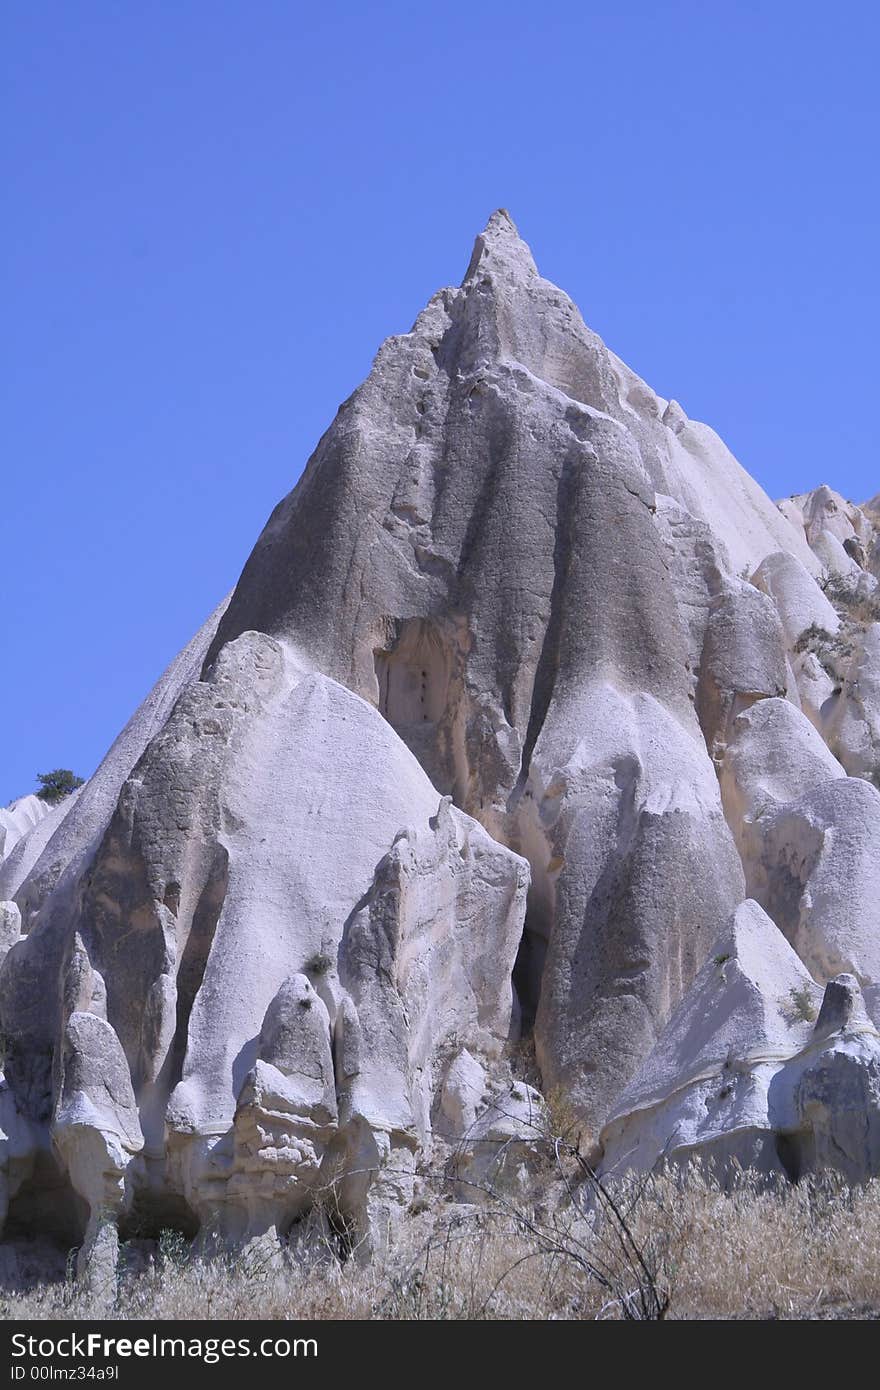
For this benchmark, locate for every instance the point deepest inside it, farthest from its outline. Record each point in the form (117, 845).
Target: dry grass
(854, 607)
(832, 650)
(802, 1252)
(809, 1251)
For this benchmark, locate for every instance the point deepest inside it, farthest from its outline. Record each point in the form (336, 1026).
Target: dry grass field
(663, 1248)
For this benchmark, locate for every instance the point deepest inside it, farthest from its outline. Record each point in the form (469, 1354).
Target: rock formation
(524, 688)
(756, 1066)
(18, 820)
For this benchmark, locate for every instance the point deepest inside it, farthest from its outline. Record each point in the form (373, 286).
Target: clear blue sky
(214, 210)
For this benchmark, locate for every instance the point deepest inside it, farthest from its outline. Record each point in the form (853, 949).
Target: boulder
(799, 601)
(499, 1157)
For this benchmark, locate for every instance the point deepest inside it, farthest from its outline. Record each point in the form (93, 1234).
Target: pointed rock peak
(674, 417)
(501, 222)
(761, 952)
(498, 246)
(843, 1007)
(752, 998)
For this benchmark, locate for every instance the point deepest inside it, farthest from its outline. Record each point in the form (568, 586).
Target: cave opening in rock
(417, 677)
(414, 675)
(796, 1154)
(530, 839)
(46, 1205)
(151, 1213)
(527, 974)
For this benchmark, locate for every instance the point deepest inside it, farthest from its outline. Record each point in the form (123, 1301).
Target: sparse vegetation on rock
(56, 785)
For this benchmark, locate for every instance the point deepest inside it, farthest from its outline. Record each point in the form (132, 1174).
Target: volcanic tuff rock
(756, 1066)
(523, 688)
(17, 820)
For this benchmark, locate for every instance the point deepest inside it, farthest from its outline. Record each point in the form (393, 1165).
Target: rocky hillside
(531, 721)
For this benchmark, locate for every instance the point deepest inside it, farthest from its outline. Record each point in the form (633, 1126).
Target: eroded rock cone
(441, 774)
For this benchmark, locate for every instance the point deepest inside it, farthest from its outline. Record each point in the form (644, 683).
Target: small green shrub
(56, 785)
(802, 1004)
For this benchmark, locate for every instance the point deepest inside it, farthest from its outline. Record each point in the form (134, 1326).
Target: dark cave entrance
(151, 1213)
(46, 1205)
(527, 975)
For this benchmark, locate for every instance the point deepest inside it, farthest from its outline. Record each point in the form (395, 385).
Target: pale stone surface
(799, 600)
(96, 1132)
(819, 877)
(827, 513)
(462, 1095)
(817, 690)
(809, 838)
(443, 771)
(81, 819)
(755, 1066)
(16, 867)
(222, 910)
(834, 556)
(95, 1126)
(698, 566)
(775, 756)
(634, 803)
(853, 724)
(498, 1155)
(743, 659)
(843, 537)
(838, 1106)
(739, 1006)
(10, 927)
(285, 1118)
(473, 578)
(18, 820)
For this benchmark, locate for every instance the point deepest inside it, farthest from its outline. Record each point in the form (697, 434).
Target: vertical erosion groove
(191, 967)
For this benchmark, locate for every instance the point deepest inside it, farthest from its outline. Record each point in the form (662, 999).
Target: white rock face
(817, 690)
(462, 1096)
(78, 822)
(755, 1066)
(16, 867)
(497, 1155)
(800, 602)
(486, 747)
(18, 820)
(809, 839)
(774, 757)
(635, 790)
(853, 722)
(843, 537)
(10, 926)
(820, 878)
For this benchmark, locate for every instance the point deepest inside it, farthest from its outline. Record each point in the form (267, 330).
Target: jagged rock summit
(524, 687)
